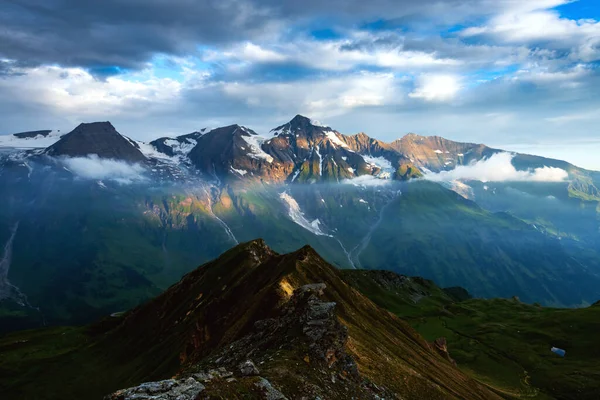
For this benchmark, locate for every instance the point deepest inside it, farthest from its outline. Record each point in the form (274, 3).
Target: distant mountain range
(93, 222)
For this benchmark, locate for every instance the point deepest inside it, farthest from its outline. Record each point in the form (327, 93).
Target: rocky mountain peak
(100, 138)
(280, 324)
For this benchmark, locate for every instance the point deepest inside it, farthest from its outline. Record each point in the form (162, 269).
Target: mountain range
(93, 222)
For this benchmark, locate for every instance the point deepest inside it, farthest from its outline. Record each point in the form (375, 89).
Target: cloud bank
(499, 168)
(96, 168)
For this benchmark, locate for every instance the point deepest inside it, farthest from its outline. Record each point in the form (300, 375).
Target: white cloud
(498, 168)
(95, 168)
(544, 76)
(254, 53)
(577, 116)
(366, 180)
(75, 92)
(320, 98)
(332, 55)
(436, 87)
(531, 22)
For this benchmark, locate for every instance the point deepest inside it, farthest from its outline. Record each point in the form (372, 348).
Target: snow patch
(295, 175)
(242, 172)
(384, 165)
(438, 151)
(151, 152)
(333, 137)
(320, 161)
(255, 142)
(296, 214)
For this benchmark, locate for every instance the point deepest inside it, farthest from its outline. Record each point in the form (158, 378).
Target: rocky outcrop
(440, 345)
(323, 337)
(170, 389)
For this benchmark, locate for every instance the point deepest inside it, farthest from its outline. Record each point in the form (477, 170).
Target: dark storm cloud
(100, 34)
(123, 33)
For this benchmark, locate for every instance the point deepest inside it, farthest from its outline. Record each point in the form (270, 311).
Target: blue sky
(520, 75)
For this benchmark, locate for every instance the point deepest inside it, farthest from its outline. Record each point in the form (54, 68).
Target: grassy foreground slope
(502, 343)
(201, 321)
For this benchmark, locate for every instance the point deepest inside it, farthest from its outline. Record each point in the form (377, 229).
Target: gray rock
(247, 368)
(317, 288)
(269, 392)
(169, 389)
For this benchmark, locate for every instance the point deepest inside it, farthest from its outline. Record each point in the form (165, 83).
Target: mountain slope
(310, 341)
(435, 233)
(503, 343)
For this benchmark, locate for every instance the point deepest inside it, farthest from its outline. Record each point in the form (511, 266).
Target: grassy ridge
(502, 343)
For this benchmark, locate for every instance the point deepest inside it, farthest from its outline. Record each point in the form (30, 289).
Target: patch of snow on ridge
(242, 172)
(296, 214)
(333, 137)
(255, 142)
(150, 151)
(387, 170)
(320, 161)
(295, 175)
(438, 151)
(35, 142)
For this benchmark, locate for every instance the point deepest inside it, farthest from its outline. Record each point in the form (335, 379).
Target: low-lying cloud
(499, 168)
(366, 180)
(96, 168)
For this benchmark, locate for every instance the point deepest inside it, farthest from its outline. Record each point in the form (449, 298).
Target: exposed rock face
(100, 138)
(181, 145)
(247, 368)
(236, 152)
(441, 346)
(436, 153)
(170, 389)
(269, 392)
(324, 337)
